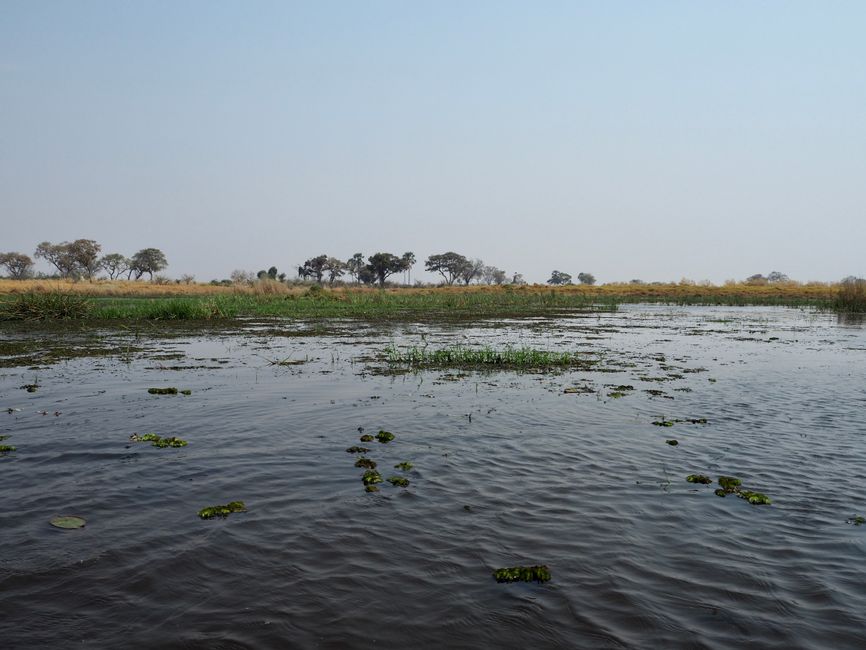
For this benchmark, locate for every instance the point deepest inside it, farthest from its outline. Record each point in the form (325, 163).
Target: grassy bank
(131, 301)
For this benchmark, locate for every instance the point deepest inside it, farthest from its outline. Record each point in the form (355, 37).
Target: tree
(354, 265)
(449, 265)
(518, 279)
(470, 270)
(409, 261)
(115, 264)
(85, 254)
(558, 277)
(384, 265)
(775, 276)
(586, 278)
(335, 268)
(60, 256)
(18, 265)
(147, 260)
(756, 279)
(493, 275)
(315, 266)
(240, 276)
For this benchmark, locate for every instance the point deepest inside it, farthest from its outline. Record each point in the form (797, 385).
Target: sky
(628, 139)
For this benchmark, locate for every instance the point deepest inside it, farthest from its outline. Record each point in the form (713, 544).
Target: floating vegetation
(487, 357)
(732, 485)
(405, 466)
(398, 481)
(158, 441)
(384, 436)
(2, 438)
(664, 423)
(366, 438)
(856, 520)
(538, 573)
(171, 390)
(222, 512)
(186, 392)
(357, 450)
(31, 388)
(5, 449)
(586, 389)
(365, 462)
(699, 478)
(616, 394)
(371, 476)
(672, 443)
(669, 423)
(654, 392)
(371, 488)
(67, 522)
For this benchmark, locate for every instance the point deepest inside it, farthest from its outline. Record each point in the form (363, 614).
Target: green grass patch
(486, 357)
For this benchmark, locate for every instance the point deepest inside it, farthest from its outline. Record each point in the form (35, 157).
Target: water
(509, 470)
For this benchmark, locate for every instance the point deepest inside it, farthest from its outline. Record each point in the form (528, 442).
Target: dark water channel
(508, 470)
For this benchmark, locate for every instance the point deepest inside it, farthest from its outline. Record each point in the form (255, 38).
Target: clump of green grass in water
(398, 481)
(856, 520)
(384, 437)
(538, 573)
(171, 390)
(213, 512)
(45, 306)
(487, 357)
(699, 478)
(851, 296)
(371, 477)
(732, 485)
(158, 441)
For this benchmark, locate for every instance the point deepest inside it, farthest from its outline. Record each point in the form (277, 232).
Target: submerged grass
(486, 357)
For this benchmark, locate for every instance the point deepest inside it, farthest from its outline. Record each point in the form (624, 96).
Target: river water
(509, 469)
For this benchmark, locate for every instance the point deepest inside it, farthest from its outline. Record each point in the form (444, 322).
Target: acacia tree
(384, 265)
(147, 260)
(586, 278)
(449, 265)
(558, 277)
(493, 275)
(335, 268)
(58, 255)
(18, 265)
(85, 253)
(115, 264)
(315, 266)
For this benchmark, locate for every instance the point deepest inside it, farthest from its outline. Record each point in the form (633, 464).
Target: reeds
(45, 306)
(852, 296)
(486, 357)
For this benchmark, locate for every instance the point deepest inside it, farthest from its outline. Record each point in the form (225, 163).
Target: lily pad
(212, 512)
(538, 573)
(699, 478)
(398, 481)
(67, 522)
(405, 466)
(384, 436)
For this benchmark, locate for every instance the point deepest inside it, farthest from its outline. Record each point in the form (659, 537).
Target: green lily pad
(186, 392)
(384, 436)
(664, 423)
(67, 522)
(539, 573)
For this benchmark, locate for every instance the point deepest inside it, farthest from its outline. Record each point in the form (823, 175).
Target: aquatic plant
(398, 481)
(538, 573)
(664, 423)
(371, 488)
(158, 441)
(171, 390)
(616, 394)
(699, 478)
(5, 449)
(371, 476)
(30, 388)
(405, 466)
(186, 391)
(384, 436)
(851, 296)
(856, 520)
(755, 498)
(486, 357)
(672, 443)
(729, 483)
(52, 305)
(365, 462)
(67, 522)
(357, 450)
(366, 438)
(212, 512)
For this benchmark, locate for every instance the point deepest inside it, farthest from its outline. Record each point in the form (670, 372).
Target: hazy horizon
(637, 140)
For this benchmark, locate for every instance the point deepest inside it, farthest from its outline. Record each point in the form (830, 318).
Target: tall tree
(85, 253)
(354, 265)
(558, 277)
(493, 275)
(18, 265)
(60, 256)
(147, 260)
(115, 264)
(315, 266)
(586, 278)
(384, 265)
(449, 265)
(409, 261)
(335, 269)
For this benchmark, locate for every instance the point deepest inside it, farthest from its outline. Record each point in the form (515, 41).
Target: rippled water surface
(508, 470)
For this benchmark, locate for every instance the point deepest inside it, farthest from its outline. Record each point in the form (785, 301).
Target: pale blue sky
(640, 139)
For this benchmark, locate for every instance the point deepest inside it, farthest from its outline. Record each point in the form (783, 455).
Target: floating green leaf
(67, 522)
(856, 520)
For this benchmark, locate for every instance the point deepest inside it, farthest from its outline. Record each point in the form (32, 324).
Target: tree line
(80, 259)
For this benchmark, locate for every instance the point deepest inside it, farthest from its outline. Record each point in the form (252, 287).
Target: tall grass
(852, 296)
(486, 357)
(45, 306)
